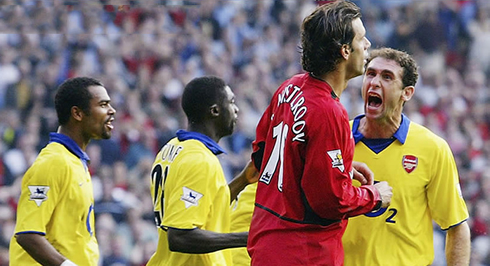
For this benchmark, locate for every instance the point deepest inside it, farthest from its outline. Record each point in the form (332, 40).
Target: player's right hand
(386, 192)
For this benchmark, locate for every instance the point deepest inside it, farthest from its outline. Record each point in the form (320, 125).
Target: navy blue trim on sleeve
(454, 225)
(181, 229)
(31, 232)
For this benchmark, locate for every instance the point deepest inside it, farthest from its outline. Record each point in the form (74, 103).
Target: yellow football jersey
(241, 216)
(57, 201)
(189, 190)
(421, 169)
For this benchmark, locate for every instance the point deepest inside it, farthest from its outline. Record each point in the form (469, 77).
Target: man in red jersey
(304, 150)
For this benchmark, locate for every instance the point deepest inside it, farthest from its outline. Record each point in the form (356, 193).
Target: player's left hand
(362, 173)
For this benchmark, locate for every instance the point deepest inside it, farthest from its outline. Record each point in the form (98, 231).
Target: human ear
(214, 110)
(345, 51)
(77, 113)
(407, 93)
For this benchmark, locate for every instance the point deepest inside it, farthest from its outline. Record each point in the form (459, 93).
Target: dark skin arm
(248, 175)
(38, 247)
(198, 241)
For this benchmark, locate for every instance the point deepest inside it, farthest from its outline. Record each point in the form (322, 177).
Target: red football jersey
(304, 147)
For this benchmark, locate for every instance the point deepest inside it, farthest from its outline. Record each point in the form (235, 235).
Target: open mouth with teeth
(109, 124)
(374, 101)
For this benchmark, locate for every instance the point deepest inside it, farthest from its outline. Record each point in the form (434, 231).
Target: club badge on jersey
(410, 162)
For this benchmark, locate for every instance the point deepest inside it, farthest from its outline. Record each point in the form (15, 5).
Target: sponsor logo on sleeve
(38, 194)
(337, 161)
(409, 163)
(190, 197)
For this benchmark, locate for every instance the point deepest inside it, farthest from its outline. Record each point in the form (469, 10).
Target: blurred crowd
(146, 51)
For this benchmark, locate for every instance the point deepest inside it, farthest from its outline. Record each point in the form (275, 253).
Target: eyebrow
(382, 71)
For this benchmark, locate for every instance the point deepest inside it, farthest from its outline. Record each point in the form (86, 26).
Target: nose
(375, 81)
(112, 110)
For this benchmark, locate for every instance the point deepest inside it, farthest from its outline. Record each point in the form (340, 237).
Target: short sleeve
(42, 186)
(446, 202)
(188, 196)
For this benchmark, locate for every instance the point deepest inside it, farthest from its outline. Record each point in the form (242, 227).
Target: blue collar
(69, 144)
(207, 141)
(400, 134)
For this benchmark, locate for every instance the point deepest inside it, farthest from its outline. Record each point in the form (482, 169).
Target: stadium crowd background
(146, 51)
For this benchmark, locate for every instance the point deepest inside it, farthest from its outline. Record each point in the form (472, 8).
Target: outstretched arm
(198, 241)
(248, 175)
(458, 245)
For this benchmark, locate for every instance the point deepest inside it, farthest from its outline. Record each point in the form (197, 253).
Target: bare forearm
(38, 247)
(236, 185)
(199, 241)
(248, 175)
(458, 245)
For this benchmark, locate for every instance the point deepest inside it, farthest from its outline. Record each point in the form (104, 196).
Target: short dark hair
(199, 94)
(406, 61)
(324, 32)
(73, 92)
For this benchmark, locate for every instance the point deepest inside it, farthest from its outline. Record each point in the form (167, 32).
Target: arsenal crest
(409, 163)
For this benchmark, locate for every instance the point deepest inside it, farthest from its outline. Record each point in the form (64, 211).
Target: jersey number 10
(280, 133)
